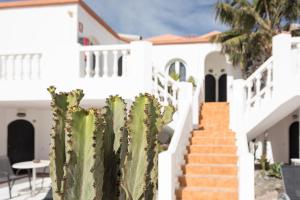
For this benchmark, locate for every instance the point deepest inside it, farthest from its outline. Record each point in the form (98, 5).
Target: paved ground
(21, 190)
(266, 187)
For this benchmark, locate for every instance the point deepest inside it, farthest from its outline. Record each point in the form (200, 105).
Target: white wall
(92, 29)
(40, 27)
(40, 118)
(277, 140)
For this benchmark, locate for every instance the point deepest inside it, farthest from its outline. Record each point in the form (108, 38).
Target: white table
(32, 165)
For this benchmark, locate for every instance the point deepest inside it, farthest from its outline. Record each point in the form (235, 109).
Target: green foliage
(264, 163)
(275, 170)
(252, 24)
(192, 80)
(174, 76)
(103, 154)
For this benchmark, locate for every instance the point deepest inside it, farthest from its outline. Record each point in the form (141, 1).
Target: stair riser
(208, 182)
(205, 195)
(211, 159)
(212, 141)
(218, 149)
(209, 170)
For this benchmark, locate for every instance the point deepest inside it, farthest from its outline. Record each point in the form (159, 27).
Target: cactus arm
(84, 169)
(59, 104)
(136, 161)
(115, 117)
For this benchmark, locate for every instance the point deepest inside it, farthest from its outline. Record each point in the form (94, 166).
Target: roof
(175, 39)
(38, 3)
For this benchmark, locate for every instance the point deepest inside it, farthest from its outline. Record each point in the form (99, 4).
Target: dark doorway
(20, 141)
(120, 66)
(210, 88)
(294, 140)
(223, 88)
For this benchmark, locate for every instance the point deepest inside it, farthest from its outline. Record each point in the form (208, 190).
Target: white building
(66, 44)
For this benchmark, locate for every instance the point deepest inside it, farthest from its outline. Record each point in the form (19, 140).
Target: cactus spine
(103, 154)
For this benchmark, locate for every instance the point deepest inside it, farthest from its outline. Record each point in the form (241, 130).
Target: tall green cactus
(84, 169)
(60, 104)
(115, 138)
(145, 122)
(99, 154)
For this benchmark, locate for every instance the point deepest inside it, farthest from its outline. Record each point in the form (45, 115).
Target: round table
(32, 165)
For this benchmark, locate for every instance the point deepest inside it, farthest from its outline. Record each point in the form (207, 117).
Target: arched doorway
(215, 69)
(20, 141)
(223, 88)
(210, 88)
(294, 140)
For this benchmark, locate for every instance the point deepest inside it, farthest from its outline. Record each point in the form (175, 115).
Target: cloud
(154, 17)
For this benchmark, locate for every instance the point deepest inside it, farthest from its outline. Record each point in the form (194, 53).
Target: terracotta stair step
(211, 158)
(202, 140)
(210, 169)
(222, 149)
(216, 181)
(213, 133)
(195, 193)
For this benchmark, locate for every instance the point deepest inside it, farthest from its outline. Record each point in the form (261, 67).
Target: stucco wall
(278, 140)
(41, 119)
(40, 27)
(93, 30)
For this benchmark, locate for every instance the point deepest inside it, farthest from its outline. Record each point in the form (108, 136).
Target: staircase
(210, 172)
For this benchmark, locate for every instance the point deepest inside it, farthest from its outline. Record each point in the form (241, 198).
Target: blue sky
(154, 17)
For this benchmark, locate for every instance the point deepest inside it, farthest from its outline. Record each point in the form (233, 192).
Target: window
(177, 70)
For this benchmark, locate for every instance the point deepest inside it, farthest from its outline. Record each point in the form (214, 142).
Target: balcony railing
(104, 61)
(25, 66)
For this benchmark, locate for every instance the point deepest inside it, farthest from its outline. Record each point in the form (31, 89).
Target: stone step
(210, 140)
(215, 181)
(210, 169)
(211, 158)
(213, 132)
(222, 149)
(195, 193)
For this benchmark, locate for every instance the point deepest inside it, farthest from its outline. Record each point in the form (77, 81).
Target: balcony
(99, 70)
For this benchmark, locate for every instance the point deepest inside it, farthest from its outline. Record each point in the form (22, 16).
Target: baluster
(269, 82)
(249, 94)
(21, 70)
(34, 67)
(105, 65)
(174, 96)
(3, 67)
(166, 92)
(88, 68)
(257, 89)
(156, 86)
(30, 66)
(124, 63)
(115, 64)
(39, 56)
(82, 70)
(26, 67)
(97, 64)
(10, 67)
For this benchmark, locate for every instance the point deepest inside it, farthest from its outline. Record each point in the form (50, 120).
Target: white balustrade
(165, 89)
(20, 66)
(258, 86)
(103, 61)
(170, 161)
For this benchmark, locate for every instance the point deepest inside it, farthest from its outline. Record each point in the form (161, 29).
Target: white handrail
(196, 104)
(170, 161)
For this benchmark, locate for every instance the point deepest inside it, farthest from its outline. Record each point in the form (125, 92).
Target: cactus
(114, 136)
(102, 154)
(60, 104)
(144, 124)
(84, 170)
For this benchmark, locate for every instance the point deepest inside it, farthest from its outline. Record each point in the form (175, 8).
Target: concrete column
(140, 66)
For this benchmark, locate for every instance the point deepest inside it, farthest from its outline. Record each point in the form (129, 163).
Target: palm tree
(252, 24)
